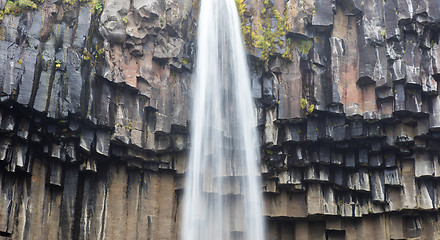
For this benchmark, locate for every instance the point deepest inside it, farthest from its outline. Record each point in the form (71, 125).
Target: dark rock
(411, 59)
(323, 13)
(337, 157)
(68, 202)
(390, 18)
(350, 159)
(257, 88)
(75, 81)
(86, 138)
(56, 172)
(356, 128)
(392, 177)
(372, 28)
(375, 160)
(399, 97)
(434, 120)
(378, 186)
(42, 96)
(423, 164)
(363, 157)
(324, 154)
(27, 81)
(82, 28)
(289, 93)
(312, 129)
(269, 90)
(103, 142)
(398, 71)
(395, 49)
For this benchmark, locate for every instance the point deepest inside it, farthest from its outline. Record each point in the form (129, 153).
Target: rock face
(95, 101)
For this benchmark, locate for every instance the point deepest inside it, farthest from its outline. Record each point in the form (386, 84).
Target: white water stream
(223, 195)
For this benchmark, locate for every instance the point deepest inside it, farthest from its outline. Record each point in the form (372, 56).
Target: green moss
(303, 45)
(304, 103)
(288, 53)
(96, 6)
(16, 7)
(19, 6)
(311, 108)
(86, 55)
(101, 50)
(26, 4)
(269, 41)
(248, 35)
(269, 35)
(74, 2)
(57, 63)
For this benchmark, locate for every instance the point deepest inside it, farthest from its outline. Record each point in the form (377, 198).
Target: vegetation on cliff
(269, 37)
(16, 7)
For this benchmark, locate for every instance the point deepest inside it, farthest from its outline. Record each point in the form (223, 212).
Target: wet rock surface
(94, 111)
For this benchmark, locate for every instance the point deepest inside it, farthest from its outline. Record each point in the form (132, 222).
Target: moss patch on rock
(270, 34)
(18, 6)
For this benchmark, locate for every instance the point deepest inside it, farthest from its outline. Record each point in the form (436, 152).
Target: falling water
(223, 191)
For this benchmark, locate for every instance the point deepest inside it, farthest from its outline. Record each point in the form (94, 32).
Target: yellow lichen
(86, 55)
(264, 38)
(303, 103)
(96, 6)
(57, 63)
(101, 50)
(17, 7)
(311, 108)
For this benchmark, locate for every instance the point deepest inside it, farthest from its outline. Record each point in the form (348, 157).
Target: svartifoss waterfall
(223, 198)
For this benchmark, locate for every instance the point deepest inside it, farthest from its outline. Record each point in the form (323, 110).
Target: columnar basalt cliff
(94, 113)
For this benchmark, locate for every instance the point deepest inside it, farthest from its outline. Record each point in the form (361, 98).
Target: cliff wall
(94, 116)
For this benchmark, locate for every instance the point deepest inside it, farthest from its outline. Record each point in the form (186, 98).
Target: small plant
(101, 51)
(304, 103)
(98, 7)
(306, 106)
(17, 7)
(69, 2)
(311, 108)
(57, 63)
(86, 55)
(264, 38)
(303, 45)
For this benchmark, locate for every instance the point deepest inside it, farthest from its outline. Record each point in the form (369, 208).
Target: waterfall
(223, 195)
